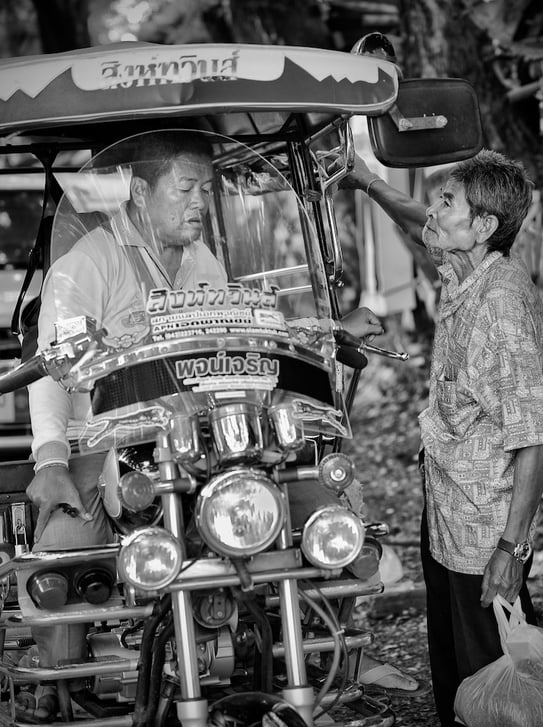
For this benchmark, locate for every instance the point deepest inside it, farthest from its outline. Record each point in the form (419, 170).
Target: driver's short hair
(155, 151)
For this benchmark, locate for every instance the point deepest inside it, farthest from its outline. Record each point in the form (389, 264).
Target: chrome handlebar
(359, 346)
(399, 355)
(68, 356)
(57, 361)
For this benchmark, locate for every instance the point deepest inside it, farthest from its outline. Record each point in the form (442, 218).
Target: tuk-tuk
(210, 605)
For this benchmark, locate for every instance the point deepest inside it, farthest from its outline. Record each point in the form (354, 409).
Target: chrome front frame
(283, 566)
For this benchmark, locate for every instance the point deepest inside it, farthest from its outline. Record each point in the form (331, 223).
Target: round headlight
(150, 559)
(333, 537)
(240, 512)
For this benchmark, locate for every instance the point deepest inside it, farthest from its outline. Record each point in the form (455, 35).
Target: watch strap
(514, 549)
(507, 546)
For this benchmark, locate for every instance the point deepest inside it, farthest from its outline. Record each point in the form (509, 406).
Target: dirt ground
(384, 446)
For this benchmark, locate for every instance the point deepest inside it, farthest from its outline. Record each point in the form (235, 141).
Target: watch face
(522, 552)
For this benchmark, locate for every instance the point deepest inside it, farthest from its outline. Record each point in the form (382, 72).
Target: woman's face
(449, 225)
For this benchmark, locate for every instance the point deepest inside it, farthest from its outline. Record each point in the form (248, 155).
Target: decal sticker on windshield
(215, 312)
(306, 411)
(68, 327)
(225, 371)
(164, 300)
(150, 418)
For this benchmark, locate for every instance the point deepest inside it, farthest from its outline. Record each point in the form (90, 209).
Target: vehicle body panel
(124, 80)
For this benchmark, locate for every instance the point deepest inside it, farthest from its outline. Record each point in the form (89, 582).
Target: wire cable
(339, 648)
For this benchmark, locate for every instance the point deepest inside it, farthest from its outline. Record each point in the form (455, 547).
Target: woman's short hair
(496, 185)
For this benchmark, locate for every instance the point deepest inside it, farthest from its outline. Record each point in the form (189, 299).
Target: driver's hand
(362, 323)
(51, 488)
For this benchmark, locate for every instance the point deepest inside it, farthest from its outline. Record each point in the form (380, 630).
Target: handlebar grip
(348, 352)
(352, 357)
(22, 375)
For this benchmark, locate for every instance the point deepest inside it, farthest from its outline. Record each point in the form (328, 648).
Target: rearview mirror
(434, 121)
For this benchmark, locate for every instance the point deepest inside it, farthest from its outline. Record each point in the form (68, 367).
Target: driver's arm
(71, 289)
(50, 411)
(67, 292)
(52, 485)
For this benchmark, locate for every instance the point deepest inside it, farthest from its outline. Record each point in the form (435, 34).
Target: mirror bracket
(416, 123)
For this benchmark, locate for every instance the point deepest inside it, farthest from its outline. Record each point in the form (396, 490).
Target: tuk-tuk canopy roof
(240, 89)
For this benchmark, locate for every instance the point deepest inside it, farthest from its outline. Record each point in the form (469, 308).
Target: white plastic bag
(509, 691)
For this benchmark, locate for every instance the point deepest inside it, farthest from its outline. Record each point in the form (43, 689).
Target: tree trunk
(62, 24)
(453, 38)
(281, 22)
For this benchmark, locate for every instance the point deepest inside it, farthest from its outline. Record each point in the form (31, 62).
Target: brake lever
(399, 355)
(343, 338)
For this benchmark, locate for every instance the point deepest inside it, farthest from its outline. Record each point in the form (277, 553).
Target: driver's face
(179, 199)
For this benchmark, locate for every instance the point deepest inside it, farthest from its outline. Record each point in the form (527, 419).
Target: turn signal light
(336, 471)
(48, 589)
(94, 585)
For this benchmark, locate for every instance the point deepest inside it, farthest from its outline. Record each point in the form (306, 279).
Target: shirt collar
(450, 278)
(126, 233)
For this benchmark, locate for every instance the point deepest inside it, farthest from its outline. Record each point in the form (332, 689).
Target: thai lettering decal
(152, 70)
(216, 312)
(162, 300)
(226, 371)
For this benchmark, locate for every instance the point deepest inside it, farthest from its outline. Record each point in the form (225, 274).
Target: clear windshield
(196, 260)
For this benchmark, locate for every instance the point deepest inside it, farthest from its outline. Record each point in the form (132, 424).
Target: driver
(154, 238)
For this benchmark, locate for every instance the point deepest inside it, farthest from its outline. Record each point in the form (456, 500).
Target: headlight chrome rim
(217, 488)
(317, 519)
(129, 553)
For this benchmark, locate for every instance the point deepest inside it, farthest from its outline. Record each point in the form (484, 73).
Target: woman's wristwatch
(519, 551)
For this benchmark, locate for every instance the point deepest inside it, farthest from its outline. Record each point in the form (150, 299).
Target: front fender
(249, 709)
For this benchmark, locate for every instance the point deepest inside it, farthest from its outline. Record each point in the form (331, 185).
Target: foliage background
(496, 44)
